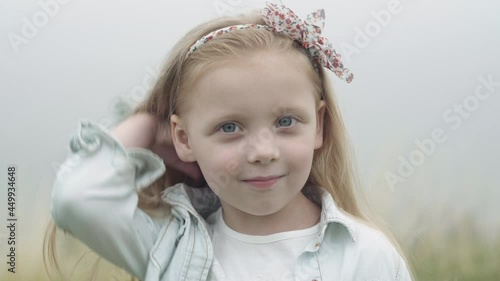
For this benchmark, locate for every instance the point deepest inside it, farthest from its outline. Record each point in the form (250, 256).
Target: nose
(263, 150)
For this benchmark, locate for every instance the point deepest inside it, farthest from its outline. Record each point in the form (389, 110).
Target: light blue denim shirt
(94, 198)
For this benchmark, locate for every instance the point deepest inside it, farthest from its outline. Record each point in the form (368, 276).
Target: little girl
(206, 182)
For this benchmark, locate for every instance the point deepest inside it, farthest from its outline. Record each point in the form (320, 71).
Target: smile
(263, 184)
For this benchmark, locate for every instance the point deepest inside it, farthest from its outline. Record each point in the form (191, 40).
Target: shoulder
(356, 236)
(368, 252)
(378, 256)
(371, 239)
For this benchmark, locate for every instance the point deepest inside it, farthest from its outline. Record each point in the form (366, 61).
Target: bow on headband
(282, 20)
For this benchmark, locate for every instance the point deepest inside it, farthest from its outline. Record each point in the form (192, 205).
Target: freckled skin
(258, 139)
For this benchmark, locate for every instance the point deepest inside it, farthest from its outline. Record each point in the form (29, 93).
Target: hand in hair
(146, 131)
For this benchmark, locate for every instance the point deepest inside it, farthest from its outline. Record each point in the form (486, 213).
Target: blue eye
(231, 127)
(287, 121)
(228, 125)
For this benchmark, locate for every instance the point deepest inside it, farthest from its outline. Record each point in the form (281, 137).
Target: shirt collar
(202, 201)
(331, 213)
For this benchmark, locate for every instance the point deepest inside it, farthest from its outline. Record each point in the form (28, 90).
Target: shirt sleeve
(94, 197)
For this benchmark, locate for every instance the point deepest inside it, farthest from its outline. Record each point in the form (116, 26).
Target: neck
(301, 213)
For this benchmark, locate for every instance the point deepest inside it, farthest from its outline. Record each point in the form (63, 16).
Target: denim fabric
(94, 198)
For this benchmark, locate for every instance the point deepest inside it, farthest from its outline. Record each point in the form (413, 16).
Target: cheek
(299, 154)
(227, 160)
(219, 166)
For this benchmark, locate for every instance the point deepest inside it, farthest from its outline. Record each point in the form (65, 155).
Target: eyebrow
(277, 112)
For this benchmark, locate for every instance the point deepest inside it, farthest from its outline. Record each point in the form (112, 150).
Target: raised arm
(95, 197)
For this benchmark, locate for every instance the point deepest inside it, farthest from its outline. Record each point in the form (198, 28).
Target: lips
(263, 178)
(263, 183)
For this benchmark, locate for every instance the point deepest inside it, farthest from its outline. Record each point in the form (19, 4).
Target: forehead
(264, 80)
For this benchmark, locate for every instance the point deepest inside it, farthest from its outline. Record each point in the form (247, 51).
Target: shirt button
(316, 245)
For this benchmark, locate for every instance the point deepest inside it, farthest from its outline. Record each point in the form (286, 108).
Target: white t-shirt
(258, 258)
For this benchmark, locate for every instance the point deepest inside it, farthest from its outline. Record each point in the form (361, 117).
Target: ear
(180, 139)
(320, 116)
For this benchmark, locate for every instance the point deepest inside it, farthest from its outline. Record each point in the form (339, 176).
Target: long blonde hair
(333, 167)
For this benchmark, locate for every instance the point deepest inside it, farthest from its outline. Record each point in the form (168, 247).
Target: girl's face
(252, 117)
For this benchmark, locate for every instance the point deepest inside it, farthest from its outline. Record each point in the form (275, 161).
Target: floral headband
(282, 20)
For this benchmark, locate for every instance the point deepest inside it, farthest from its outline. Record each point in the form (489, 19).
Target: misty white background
(426, 59)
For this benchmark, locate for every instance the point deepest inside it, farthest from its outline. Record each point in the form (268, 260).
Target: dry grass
(460, 252)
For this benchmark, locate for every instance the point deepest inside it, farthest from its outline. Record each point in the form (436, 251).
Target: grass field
(464, 255)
